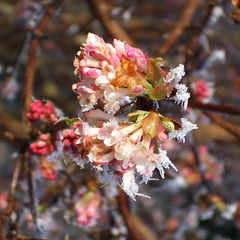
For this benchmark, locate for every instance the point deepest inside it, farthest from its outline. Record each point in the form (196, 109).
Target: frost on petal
(182, 95)
(180, 134)
(106, 176)
(129, 185)
(79, 161)
(164, 162)
(175, 74)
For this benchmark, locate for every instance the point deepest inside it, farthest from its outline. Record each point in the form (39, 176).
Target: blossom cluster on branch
(128, 146)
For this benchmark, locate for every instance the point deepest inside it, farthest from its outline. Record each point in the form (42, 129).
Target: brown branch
(177, 31)
(192, 43)
(31, 65)
(123, 208)
(15, 176)
(100, 8)
(142, 228)
(225, 124)
(31, 187)
(30, 72)
(212, 132)
(214, 107)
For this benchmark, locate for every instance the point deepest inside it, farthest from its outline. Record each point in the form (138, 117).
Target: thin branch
(212, 132)
(31, 188)
(225, 124)
(30, 72)
(177, 31)
(100, 8)
(31, 65)
(123, 208)
(15, 176)
(192, 43)
(214, 107)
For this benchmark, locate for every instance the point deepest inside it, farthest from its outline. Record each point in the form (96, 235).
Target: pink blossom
(119, 70)
(48, 170)
(41, 112)
(125, 146)
(3, 200)
(70, 138)
(43, 146)
(87, 209)
(108, 75)
(107, 66)
(202, 91)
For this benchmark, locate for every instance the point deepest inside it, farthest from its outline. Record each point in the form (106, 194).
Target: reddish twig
(177, 31)
(31, 65)
(100, 8)
(30, 72)
(214, 107)
(123, 208)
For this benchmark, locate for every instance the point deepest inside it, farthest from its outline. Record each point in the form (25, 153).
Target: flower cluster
(40, 111)
(110, 74)
(43, 146)
(48, 169)
(87, 209)
(202, 91)
(125, 148)
(70, 138)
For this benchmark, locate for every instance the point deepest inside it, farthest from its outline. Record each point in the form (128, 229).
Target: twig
(15, 176)
(100, 7)
(225, 124)
(214, 107)
(142, 228)
(212, 132)
(31, 65)
(31, 187)
(30, 72)
(177, 31)
(192, 43)
(123, 208)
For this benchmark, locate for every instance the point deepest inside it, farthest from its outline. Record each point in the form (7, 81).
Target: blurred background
(201, 200)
